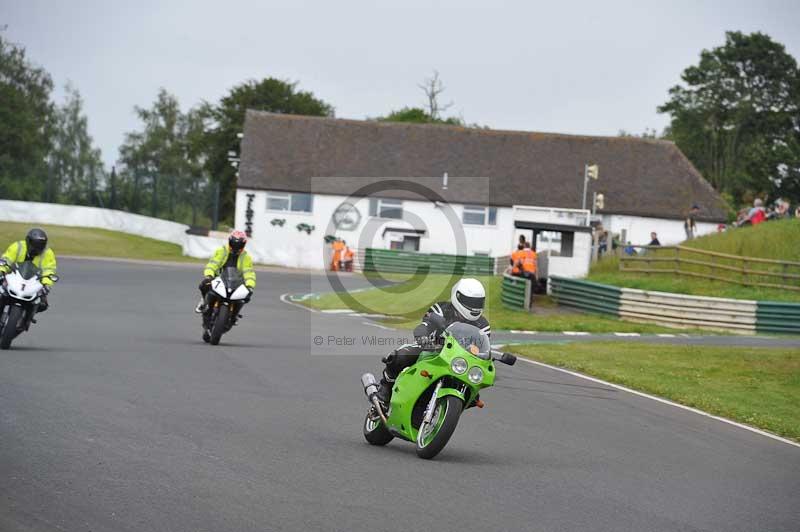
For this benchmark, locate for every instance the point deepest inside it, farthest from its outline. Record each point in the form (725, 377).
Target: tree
(164, 156)
(432, 112)
(736, 116)
(227, 122)
(75, 166)
(26, 117)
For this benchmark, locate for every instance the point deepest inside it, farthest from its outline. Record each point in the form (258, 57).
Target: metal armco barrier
(395, 261)
(516, 292)
(678, 310)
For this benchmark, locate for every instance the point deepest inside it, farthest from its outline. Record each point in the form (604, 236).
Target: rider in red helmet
(232, 255)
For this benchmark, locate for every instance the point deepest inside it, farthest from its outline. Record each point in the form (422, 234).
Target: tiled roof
(637, 176)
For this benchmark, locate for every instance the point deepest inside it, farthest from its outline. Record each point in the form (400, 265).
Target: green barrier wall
(585, 295)
(778, 317)
(394, 261)
(516, 292)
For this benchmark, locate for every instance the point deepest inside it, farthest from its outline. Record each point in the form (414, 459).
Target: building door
(410, 243)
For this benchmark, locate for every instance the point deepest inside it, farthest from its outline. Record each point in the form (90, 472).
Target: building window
(277, 201)
(475, 215)
(386, 208)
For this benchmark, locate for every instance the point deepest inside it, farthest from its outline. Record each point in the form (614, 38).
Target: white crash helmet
(469, 298)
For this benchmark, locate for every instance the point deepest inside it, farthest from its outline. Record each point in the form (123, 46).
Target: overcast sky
(572, 67)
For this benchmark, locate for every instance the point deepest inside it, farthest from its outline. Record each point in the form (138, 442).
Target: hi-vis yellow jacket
(244, 264)
(45, 261)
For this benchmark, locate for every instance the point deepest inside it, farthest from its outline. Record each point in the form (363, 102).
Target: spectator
(529, 262)
(797, 212)
(516, 259)
(756, 215)
(654, 239)
(602, 243)
(347, 257)
(338, 248)
(629, 249)
(690, 224)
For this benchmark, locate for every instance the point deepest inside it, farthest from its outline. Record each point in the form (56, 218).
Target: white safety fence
(134, 224)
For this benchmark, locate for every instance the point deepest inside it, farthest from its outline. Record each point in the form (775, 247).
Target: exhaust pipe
(370, 384)
(371, 389)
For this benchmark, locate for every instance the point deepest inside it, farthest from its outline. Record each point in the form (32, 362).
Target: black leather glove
(44, 291)
(206, 282)
(249, 295)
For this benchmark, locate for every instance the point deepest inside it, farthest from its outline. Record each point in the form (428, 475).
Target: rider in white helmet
(467, 301)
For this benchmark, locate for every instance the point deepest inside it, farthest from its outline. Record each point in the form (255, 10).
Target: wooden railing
(699, 263)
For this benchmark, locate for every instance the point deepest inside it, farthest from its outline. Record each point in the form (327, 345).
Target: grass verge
(777, 240)
(756, 386)
(88, 242)
(410, 299)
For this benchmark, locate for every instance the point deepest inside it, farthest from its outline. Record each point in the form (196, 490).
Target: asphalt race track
(115, 416)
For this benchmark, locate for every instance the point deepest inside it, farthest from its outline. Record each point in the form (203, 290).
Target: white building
(453, 190)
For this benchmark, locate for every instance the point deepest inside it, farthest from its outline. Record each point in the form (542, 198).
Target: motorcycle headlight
(459, 366)
(475, 375)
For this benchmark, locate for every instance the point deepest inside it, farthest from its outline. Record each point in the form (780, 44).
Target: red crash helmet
(237, 241)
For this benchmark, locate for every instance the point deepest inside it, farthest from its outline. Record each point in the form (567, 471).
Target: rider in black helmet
(33, 248)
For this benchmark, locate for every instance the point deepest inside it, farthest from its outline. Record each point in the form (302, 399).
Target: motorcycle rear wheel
(375, 432)
(220, 324)
(10, 329)
(442, 425)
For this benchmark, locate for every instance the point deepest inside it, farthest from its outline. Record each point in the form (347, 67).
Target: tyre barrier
(677, 310)
(516, 292)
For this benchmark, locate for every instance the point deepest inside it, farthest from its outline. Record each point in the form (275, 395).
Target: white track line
(665, 335)
(378, 326)
(664, 401)
(627, 334)
(285, 299)
(575, 333)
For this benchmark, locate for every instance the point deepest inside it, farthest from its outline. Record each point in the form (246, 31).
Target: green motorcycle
(429, 396)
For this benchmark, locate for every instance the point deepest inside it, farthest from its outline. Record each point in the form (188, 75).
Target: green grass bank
(756, 386)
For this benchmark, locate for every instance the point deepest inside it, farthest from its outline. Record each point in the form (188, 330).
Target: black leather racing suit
(405, 356)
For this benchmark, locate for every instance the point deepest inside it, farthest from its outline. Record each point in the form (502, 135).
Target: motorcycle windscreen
(472, 339)
(232, 278)
(28, 271)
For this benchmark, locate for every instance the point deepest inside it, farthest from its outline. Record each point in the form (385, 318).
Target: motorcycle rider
(467, 301)
(33, 248)
(232, 255)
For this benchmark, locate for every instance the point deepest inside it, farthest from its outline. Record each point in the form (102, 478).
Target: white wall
(289, 247)
(135, 224)
(638, 228)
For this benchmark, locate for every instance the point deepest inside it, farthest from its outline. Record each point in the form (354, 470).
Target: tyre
(434, 437)
(375, 432)
(220, 323)
(10, 329)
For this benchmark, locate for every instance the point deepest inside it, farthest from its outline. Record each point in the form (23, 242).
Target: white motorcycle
(227, 297)
(20, 294)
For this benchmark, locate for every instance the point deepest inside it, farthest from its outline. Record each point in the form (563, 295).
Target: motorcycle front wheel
(220, 323)
(434, 436)
(375, 432)
(10, 329)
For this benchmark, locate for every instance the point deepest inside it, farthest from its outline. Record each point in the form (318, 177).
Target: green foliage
(227, 121)
(26, 122)
(757, 386)
(418, 115)
(163, 162)
(737, 117)
(75, 165)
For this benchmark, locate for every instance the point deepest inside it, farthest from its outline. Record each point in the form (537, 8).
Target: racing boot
(384, 393)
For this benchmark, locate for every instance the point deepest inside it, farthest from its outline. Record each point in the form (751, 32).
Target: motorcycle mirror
(54, 278)
(507, 358)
